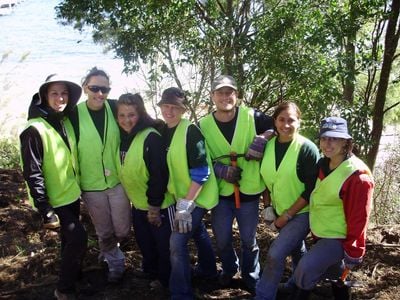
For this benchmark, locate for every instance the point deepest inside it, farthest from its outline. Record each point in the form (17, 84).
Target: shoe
(224, 279)
(114, 276)
(62, 296)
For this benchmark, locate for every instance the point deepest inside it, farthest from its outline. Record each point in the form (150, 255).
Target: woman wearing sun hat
(50, 169)
(339, 210)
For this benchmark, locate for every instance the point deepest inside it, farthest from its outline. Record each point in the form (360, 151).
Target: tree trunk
(391, 41)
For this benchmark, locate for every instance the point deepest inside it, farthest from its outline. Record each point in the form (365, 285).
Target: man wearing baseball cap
(236, 129)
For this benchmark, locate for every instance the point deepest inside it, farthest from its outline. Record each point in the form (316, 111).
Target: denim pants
(290, 238)
(153, 243)
(73, 246)
(180, 283)
(110, 213)
(247, 219)
(324, 259)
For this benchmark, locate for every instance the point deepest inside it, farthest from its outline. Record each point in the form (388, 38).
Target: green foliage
(9, 154)
(323, 54)
(386, 203)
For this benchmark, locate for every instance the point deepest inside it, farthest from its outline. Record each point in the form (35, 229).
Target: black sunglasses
(96, 89)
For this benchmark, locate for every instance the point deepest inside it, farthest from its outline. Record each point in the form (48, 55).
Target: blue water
(32, 32)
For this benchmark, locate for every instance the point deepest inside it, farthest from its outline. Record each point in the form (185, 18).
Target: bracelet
(286, 214)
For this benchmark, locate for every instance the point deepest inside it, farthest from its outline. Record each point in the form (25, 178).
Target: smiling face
(333, 148)
(127, 117)
(57, 96)
(172, 114)
(96, 97)
(225, 99)
(287, 124)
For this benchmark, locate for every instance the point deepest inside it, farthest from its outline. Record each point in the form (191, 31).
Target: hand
(351, 262)
(183, 215)
(229, 173)
(268, 214)
(256, 148)
(51, 220)
(273, 227)
(153, 215)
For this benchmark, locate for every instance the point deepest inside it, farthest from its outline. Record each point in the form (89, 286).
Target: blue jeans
(324, 259)
(290, 238)
(180, 283)
(247, 218)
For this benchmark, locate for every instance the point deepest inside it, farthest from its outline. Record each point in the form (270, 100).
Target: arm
(357, 197)
(155, 159)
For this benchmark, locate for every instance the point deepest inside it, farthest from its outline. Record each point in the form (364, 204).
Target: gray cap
(223, 81)
(335, 127)
(74, 90)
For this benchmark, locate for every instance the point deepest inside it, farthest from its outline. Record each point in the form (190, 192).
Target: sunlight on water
(33, 45)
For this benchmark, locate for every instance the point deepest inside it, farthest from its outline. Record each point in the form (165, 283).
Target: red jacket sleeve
(356, 194)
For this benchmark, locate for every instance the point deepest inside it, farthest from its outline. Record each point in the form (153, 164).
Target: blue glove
(257, 147)
(229, 173)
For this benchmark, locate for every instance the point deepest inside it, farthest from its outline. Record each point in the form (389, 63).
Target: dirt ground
(29, 260)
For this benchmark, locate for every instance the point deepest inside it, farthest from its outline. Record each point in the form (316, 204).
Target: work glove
(50, 220)
(273, 227)
(257, 147)
(350, 262)
(229, 173)
(153, 215)
(183, 215)
(268, 214)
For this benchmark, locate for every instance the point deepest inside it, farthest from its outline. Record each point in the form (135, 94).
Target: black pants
(73, 246)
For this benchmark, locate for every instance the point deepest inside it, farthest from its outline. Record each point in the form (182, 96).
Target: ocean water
(33, 45)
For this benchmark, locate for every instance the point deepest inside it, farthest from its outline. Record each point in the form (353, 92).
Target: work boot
(341, 292)
(299, 294)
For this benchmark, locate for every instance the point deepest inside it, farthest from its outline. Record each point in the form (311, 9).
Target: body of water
(33, 45)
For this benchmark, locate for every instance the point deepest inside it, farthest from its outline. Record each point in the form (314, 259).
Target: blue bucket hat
(335, 127)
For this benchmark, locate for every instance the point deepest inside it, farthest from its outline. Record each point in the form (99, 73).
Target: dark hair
(137, 101)
(349, 147)
(94, 72)
(285, 106)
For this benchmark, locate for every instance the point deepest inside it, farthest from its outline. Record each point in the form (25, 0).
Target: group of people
(163, 177)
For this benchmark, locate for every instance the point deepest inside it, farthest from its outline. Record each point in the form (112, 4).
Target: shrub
(386, 202)
(9, 154)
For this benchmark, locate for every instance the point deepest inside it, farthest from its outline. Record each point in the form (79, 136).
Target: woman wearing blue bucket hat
(339, 210)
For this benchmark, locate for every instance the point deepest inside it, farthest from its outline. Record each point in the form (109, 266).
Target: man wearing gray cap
(236, 137)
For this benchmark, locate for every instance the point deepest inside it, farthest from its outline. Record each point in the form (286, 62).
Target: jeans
(110, 213)
(324, 259)
(290, 237)
(247, 218)
(180, 281)
(153, 243)
(73, 246)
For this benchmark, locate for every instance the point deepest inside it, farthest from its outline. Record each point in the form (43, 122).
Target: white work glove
(269, 216)
(183, 215)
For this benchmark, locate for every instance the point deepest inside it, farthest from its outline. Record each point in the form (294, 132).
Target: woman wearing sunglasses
(98, 140)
